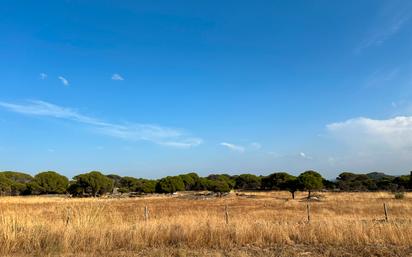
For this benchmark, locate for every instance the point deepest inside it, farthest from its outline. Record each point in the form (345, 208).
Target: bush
(399, 195)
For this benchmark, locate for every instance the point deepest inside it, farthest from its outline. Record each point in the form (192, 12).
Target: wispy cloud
(305, 156)
(43, 76)
(233, 147)
(63, 80)
(117, 77)
(131, 131)
(394, 18)
(381, 77)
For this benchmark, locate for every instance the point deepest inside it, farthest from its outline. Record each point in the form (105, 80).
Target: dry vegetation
(342, 224)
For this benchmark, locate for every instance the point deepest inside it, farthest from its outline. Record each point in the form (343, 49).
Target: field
(256, 224)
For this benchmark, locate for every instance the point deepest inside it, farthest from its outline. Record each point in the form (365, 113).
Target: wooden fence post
(308, 211)
(226, 215)
(68, 216)
(386, 212)
(146, 214)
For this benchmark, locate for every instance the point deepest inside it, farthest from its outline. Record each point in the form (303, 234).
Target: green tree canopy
(15, 176)
(230, 180)
(51, 182)
(128, 184)
(146, 186)
(218, 186)
(281, 181)
(276, 181)
(170, 185)
(410, 180)
(248, 182)
(93, 183)
(18, 182)
(116, 179)
(5, 185)
(189, 180)
(348, 181)
(310, 181)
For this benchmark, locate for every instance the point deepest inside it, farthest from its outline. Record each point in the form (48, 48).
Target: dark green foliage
(281, 181)
(410, 180)
(128, 183)
(310, 181)
(348, 181)
(18, 188)
(93, 183)
(329, 185)
(399, 195)
(276, 181)
(402, 182)
(116, 179)
(189, 180)
(386, 184)
(218, 186)
(17, 176)
(75, 188)
(379, 176)
(248, 182)
(201, 184)
(293, 185)
(170, 185)
(51, 182)
(33, 188)
(5, 185)
(146, 186)
(14, 183)
(230, 180)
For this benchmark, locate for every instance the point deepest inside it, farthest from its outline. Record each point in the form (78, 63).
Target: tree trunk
(309, 194)
(293, 194)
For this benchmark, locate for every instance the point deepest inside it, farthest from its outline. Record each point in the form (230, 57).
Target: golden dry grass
(269, 224)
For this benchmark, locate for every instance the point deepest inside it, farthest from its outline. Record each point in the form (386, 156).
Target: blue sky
(156, 88)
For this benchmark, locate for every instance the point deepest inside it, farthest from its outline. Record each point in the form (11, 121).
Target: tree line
(95, 183)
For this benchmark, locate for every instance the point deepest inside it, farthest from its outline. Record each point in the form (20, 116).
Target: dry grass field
(264, 224)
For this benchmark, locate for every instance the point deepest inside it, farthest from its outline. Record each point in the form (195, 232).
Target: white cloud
(43, 76)
(64, 80)
(233, 147)
(117, 77)
(131, 131)
(304, 156)
(394, 133)
(390, 21)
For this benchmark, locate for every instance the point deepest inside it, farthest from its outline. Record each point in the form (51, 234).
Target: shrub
(399, 195)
